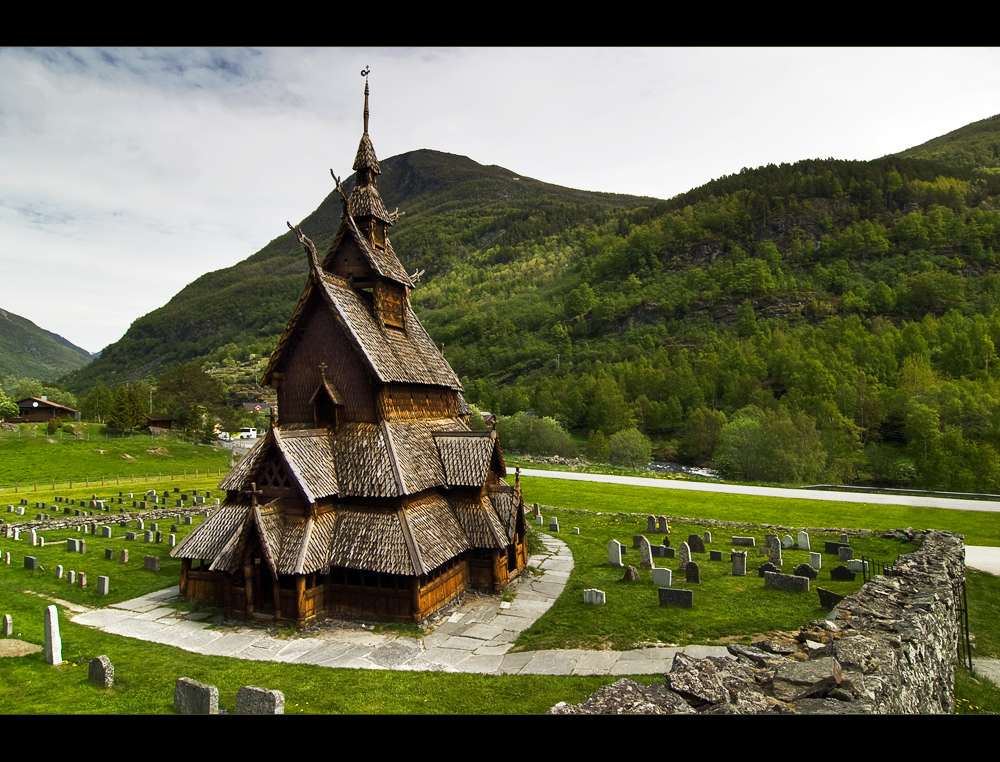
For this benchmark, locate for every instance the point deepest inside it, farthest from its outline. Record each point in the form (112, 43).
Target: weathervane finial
(364, 73)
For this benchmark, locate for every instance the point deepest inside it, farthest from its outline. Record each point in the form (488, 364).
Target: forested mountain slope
(819, 320)
(29, 351)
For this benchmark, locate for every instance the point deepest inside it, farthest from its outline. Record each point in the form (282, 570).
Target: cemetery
(723, 608)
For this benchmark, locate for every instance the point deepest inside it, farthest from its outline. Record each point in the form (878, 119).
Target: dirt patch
(126, 456)
(15, 647)
(157, 451)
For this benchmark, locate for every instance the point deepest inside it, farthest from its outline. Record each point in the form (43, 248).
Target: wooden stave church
(370, 497)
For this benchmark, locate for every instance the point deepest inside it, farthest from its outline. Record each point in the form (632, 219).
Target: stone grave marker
(663, 577)
(159, 537)
(8, 625)
(787, 542)
(30, 563)
(615, 553)
(33, 537)
(173, 540)
(805, 570)
(130, 535)
(846, 554)
(765, 568)
(123, 557)
(106, 532)
(645, 554)
(153, 526)
(109, 554)
(816, 560)
(103, 585)
(71, 577)
(669, 552)
(139, 525)
(707, 538)
(253, 700)
(695, 543)
(844, 539)
(554, 524)
(594, 597)
(576, 530)
(739, 559)
(187, 519)
(693, 573)
(650, 524)
(83, 579)
(684, 554)
(788, 582)
(671, 597)
(59, 572)
(151, 563)
(803, 538)
(828, 599)
(53, 643)
(745, 541)
(857, 565)
(631, 574)
(661, 525)
(148, 536)
(842, 573)
(192, 697)
(715, 555)
(833, 548)
(83, 546)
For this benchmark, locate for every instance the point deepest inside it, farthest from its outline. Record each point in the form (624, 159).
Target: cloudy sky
(127, 173)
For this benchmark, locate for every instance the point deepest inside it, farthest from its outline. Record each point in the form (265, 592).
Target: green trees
(8, 408)
(97, 404)
(770, 445)
(127, 408)
(537, 436)
(630, 447)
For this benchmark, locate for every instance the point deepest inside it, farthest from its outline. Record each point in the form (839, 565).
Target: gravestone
(816, 560)
(8, 625)
(693, 573)
(53, 643)
(614, 553)
(671, 597)
(650, 524)
(715, 555)
(774, 554)
(739, 559)
(576, 530)
(148, 536)
(33, 537)
(663, 577)
(83, 579)
(554, 524)
(123, 557)
(192, 697)
(787, 582)
(787, 542)
(151, 563)
(130, 535)
(539, 520)
(804, 541)
(631, 574)
(772, 541)
(765, 568)
(180, 503)
(594, 597)
(253, 700)
(173, 527)
(666, 542)
(833, 548)
(707, 538)
(101, 672)
(153, 526)
(109, 554)
(187, 519)
(173, 540)
(139, 525)
(695, 543)
(71, 577)
(745, 541)
(159, 536)
(645, 554)
(106, 532)
(805, 570)
(661, 525)
(83, 546)
(684, 554)
(103, 585)
(59, 572)
(72, 545)
(669, 552)
(846, 554)
(857, 565)
(658, 551)
(842, 573)
(844, 538)
(30, 563)
(637, 540)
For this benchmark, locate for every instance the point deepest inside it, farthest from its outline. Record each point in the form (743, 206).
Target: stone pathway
(475, 638)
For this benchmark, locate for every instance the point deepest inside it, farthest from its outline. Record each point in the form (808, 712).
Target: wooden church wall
(323, 340)
(411, 401)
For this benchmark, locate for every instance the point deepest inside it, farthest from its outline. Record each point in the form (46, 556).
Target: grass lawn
(727, 608)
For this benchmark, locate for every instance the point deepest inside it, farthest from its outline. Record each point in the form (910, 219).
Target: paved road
(956, 504)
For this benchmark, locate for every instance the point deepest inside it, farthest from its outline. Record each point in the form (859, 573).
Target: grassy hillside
(27, 351)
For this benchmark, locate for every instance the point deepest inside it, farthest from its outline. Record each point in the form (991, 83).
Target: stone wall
(889, 648)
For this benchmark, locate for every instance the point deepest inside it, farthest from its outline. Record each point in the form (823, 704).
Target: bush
(537, 436)
(630, 447)
(53, 425)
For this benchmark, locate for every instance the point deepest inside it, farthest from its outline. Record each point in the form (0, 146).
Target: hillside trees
(128, 407)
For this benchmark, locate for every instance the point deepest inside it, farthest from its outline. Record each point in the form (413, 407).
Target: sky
(126, 173)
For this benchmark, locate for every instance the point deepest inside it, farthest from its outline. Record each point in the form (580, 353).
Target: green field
(728, 609)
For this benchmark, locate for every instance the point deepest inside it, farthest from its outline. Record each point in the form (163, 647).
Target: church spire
(365, 200)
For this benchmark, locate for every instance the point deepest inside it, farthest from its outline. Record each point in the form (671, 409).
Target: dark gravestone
(715, 555)
(843, 573)
(658, 551)
(637, 540)
(768, 567)
(805, 570)
(101, 672)
(693, 573)
(109, 554)
(828, 599)
(788, 582)
(631, 574)
(30, 562)
(833, 548)
(669, 552)
(192, 697)
(253, 700)
(696, 543)
(672, 597)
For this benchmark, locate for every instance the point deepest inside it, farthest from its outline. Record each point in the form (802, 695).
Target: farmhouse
(370, 497)
(40, 409)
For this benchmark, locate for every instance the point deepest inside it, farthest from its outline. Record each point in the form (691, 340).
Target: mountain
(452, 206)
(822, 320)
(27, 351)
(975, 145)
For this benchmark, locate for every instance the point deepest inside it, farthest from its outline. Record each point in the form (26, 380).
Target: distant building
(40, 409)
(158, 421)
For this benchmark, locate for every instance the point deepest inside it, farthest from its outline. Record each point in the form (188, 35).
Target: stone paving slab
(596, 662)
(483, 631)
(102, 618)
(512, 664)
(296, 650)
(340, 655)
(161, 612)
(498, 649)
(132, 628)
(230, 644)
(482, 665)
(195, 640)
(461, 643)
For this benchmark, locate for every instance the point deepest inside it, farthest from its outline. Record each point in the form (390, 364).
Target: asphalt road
(977, 556)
